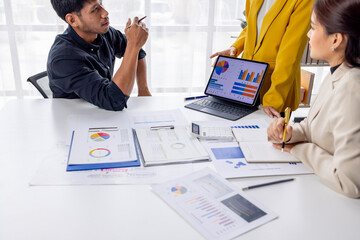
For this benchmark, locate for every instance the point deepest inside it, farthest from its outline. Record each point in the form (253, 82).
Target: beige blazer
(332, 133)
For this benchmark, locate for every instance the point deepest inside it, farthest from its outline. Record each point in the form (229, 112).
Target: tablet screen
(237, 79)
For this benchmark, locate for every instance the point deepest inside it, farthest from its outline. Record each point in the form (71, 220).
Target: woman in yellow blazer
(281, 42)
(328, 141)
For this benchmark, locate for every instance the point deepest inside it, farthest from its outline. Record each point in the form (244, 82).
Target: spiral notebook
(256, 148)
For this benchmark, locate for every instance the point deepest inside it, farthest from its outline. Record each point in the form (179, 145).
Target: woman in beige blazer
(328, 141)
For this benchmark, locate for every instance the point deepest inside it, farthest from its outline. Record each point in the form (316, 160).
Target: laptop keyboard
(233, 110)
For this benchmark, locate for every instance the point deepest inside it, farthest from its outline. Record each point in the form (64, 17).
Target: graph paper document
(164, 146)
(212, 205)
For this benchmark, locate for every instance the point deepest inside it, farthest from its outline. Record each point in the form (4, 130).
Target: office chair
(41, 83)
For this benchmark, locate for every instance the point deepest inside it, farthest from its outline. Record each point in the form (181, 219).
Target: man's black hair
(63, 7)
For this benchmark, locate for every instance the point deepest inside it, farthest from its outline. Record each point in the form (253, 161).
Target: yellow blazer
(281, 43)
(331, 133)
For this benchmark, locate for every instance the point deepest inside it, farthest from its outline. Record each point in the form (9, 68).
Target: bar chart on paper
(213, 216)
(212, 205)
(242, 207)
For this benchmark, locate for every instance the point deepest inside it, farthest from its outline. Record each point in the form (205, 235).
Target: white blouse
(261, 14)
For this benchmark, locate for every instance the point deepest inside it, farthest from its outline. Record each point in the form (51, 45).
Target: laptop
(233, 88)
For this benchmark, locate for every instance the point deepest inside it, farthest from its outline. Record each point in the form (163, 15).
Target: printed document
(102, 145)
(229, 162)
(212, 205)
(164, 145)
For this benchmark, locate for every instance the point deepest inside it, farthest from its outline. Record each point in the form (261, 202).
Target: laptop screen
(237, 79)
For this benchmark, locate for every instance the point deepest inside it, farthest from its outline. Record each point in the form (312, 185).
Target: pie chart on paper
(178, 190)
(99, 153)
(221, 67)
(100, 137)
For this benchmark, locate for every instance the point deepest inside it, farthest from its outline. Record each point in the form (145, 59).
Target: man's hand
(136, 33)
(271, 112)
(276, 129)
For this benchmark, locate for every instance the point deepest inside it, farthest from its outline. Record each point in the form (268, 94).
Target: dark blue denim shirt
(78, 69)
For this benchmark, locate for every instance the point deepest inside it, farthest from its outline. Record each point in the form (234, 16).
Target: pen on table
(192, 98)
(162, 127)
(269, 183)
(287, 117)
(138, 21)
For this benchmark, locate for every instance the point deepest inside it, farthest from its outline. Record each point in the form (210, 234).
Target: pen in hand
(287, 117)
(138, 21)
(141, 19)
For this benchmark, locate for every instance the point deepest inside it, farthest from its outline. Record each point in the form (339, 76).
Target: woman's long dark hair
(342, 16)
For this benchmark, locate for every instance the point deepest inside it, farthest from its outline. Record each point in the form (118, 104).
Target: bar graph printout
(212, 206)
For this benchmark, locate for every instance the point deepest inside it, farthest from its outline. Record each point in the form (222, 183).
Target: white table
(29, 129)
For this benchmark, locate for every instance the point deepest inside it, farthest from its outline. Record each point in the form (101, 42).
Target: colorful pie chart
(100, 137)
(221, 67)
(178, 190)
(99, 153)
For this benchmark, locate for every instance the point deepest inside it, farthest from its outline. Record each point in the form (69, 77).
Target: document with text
(165, 145)
(212, 205)
(229, 162)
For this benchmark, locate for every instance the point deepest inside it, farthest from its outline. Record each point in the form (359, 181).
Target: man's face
(93, 18)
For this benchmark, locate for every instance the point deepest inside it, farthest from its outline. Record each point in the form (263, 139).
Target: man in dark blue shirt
(81, 60)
